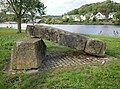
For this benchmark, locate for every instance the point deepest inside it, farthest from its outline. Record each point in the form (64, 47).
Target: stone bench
(28, 53)
(88, 45)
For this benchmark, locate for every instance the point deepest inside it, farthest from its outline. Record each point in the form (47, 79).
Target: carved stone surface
(28, 53)
(91, 46)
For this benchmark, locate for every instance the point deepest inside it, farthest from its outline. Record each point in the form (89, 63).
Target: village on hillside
(88, 18)
(91, 16)
(107, 12)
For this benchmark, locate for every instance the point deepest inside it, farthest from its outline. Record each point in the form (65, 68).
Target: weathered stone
(68, 39)
(57, 35)
(95, 47)
(28, 53)
(31, 30)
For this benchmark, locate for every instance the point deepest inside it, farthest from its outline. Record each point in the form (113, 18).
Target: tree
(70, 19)
(75, 11)
(48, 20)
(39, 9)
(65, 19)
(94, 19)
(3, 15)
(52, 21)
(21, 7)
(87, 19)
(117, 17)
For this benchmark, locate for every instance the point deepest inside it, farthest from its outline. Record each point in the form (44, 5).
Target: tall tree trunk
(19, 24)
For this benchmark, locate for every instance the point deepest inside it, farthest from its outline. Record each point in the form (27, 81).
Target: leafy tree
(117, 17)
(21, 7)
(11, 17)
(39, 9)
(87, 19)
(70, 19)
(52, 21)
(94, 19)
(3, 17)
(48, 20)
(73, 12)
(76, 11)
(6, 17)
(65, 19)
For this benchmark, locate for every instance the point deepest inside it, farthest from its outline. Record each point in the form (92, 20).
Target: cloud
(59, 7)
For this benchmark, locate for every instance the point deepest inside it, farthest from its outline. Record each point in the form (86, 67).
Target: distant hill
(104, 7)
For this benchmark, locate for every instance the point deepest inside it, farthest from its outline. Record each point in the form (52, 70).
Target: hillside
(105, 7)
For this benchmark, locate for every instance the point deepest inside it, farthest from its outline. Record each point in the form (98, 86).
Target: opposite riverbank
(108, 30)
(90, 76)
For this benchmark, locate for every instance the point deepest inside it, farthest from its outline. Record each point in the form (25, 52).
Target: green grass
(92, 76)
(9, 36)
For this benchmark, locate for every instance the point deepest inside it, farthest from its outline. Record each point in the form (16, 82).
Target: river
(109, 30)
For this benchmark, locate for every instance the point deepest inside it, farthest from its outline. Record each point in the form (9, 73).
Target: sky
(59, 7)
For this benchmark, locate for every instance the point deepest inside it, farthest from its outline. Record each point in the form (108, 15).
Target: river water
(109, 30)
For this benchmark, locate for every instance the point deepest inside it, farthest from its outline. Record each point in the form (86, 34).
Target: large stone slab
(91, 46)
(58, 36)
(28, 53)
(95, 47)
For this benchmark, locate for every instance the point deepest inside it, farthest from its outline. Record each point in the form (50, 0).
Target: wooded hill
(104, 7)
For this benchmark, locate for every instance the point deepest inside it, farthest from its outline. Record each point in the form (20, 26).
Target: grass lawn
(92, 76)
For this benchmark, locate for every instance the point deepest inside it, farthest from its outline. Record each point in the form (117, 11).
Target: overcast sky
(59, 7)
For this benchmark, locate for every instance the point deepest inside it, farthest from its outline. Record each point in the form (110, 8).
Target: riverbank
(82, 22)
(90, 76)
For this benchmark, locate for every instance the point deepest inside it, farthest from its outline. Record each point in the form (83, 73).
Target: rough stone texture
(58, 36)
(91, 46)
(95, 47)
(28, 53)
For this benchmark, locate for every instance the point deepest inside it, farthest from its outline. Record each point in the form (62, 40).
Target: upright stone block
(28, 53)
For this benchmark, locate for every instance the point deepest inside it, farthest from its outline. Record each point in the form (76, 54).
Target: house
(100, 16)
(82, 17)
(74, 17)
(67, 16)
(90, 15)
(111, 15)
(77, 18)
